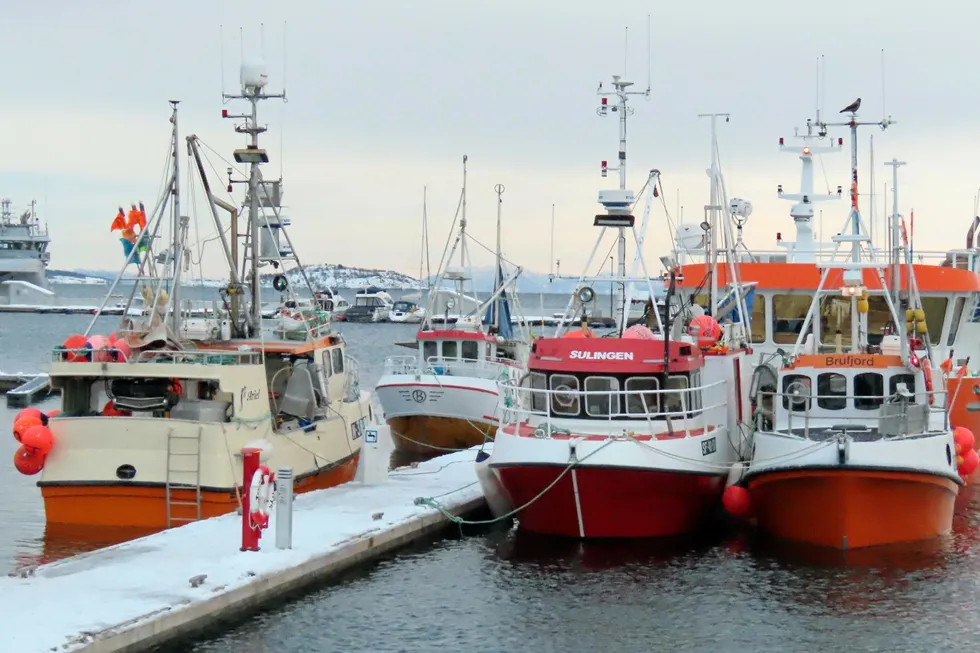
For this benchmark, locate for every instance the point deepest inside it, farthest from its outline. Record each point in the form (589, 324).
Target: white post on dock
(375, 455)
(284, 511)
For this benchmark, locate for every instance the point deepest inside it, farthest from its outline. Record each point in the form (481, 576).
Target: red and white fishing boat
(446, 396)
(853, 447)
(631, 434)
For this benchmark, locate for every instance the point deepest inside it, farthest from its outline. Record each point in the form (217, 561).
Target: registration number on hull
(708, 446)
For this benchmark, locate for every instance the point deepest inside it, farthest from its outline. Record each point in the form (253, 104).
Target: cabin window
(694, 400)
(935, 309)
(337, 356)
(430, 349)
(643, 399)
(797, 384)
(602, 405)
(869, 389)
(674, 402)
(449, 349)
(788, 315)
(907, 379)
(954, 324)
(835, 315)
(564, 401)
(832, 391)
(471, 349)
(326, 363)
(758, 324)
(489, 351)
(539, 400)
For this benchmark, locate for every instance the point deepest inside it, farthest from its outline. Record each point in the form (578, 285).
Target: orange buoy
(705, 330)
(38, 438)
(32, 411)
(110, 410)
(53, 413)
(24, 424)
(579, 333)
(967, 463)
(75, 344)
(639, 332)
(964, 439)
(28, 463)
(120, 350)
(100, 346)
(737, 502)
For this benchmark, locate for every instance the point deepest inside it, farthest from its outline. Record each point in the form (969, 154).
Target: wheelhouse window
(758, 324)
(601, 405)
(449, 349)
(674, 402)
(430, 349)
(898, 379)
(869, 389)
(835, 315)
(788, 315)
(471, 349)
(539, 400)
(564, 401)
(954, 324)
(326, 363)
(832, 391)
(694, 396)
(643, 398)
(337, 356)
(796, 392)
(935, 309)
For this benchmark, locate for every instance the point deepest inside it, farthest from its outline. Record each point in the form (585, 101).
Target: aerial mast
(253, 81)
(175, 207)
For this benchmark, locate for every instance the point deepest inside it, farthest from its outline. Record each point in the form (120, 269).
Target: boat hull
(609, 502)
(429, 416)
(144, 506)
(853, 508)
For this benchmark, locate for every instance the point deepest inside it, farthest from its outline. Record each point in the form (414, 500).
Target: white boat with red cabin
(445, 397)
(854, 448)
(632, 434)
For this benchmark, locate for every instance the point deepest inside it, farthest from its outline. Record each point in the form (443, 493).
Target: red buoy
(28, 463)
(74, 344)
(32, 411)
(705, 330)
(38, 438)
(23, 424)
(970, 462)
(964, 439)
(737, 502)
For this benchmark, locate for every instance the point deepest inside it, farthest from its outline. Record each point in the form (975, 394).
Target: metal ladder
(178, 471)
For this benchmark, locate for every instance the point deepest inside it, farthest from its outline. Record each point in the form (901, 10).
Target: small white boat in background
(370, 305)
(406, 312)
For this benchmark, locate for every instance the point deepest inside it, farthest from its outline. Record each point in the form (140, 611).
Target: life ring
(260, 497)
(927, 374)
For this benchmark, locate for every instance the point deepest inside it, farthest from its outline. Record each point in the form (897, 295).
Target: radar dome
(689, 237)
(253, 73)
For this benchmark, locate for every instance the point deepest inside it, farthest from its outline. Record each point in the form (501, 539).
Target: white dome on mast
(253, 73)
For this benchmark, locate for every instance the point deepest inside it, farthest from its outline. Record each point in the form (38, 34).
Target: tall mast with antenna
(253, 81)
(896, 225)
(618, 203)
(175, 207)
(498, 274)
(714, 208)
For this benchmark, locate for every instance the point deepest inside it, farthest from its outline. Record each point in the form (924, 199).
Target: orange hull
(854, 508)
(144, 507)
(435, 436)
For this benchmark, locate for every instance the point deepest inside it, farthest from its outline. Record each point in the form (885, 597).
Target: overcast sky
(385, 97)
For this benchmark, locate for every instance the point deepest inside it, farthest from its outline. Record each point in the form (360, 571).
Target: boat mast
(619, 202)
(498, 274)
(714, 208)
(853, 272)
(175, 208)
(253, 80)
(896, 225)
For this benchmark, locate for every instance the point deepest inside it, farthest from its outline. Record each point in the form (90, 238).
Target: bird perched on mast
(852, 107)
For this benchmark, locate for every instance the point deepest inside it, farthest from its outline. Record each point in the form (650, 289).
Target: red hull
(614, 502)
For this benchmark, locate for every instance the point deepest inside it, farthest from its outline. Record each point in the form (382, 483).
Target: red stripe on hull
(615, 502)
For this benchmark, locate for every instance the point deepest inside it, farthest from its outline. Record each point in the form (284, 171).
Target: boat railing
(813, 417)
(164, 356)
(495, 369)
(949, 258)
(352, 380)
(666, 412)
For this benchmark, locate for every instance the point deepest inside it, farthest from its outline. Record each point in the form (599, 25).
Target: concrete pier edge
(175, 622)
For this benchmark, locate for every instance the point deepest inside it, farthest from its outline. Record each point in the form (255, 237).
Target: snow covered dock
(132, 596)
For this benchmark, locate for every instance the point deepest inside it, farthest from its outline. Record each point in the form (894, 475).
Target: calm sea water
(494, 590)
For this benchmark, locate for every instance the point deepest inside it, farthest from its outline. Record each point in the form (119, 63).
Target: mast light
(781, 140)
(840, 141)
(224, 113)
(806, 151)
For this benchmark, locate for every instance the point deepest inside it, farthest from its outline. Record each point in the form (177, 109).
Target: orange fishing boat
(853, 446)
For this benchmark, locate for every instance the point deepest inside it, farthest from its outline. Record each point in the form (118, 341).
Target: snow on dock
(137, 594)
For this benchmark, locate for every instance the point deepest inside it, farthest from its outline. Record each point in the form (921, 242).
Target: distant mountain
(539, 282)
(69, 277)
(334, 275)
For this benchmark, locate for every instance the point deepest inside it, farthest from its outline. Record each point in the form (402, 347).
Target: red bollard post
(250, 535)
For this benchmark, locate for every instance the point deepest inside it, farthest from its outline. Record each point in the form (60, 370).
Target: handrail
(170, 356)
(441, 366)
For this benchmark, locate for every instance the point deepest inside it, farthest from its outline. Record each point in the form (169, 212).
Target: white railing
(684, 415)
(826, 255)
(352, 382)
(182, 357)
(891, 418)
(493, 369)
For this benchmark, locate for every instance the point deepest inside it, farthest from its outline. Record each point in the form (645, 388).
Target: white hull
(467, 398)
